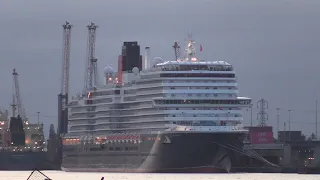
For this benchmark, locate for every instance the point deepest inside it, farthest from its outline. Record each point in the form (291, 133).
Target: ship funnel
(146, 58)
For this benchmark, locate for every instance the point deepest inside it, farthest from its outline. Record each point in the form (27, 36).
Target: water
(58, 175)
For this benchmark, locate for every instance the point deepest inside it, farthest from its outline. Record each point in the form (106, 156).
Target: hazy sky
(274, 46)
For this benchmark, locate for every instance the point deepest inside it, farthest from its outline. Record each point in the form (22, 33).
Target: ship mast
(176, 48)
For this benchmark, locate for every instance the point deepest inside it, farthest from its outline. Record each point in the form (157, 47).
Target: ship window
(117, 91)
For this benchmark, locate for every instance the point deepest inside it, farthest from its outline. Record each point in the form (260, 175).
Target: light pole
(316, 119)
(289, 124)
(278, 109)
(38, 117)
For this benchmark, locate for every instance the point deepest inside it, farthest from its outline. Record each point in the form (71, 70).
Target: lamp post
(289, 111)
(38, 117)
(278, 120)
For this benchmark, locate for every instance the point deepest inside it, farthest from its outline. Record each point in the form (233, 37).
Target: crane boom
(91, 74)
(21, 111)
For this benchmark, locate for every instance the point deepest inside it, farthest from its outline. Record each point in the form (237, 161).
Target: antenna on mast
(176, 48)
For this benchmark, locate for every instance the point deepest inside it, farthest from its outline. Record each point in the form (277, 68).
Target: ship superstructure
(157, 116)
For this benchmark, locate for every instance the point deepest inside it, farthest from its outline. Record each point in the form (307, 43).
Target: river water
(59, 175)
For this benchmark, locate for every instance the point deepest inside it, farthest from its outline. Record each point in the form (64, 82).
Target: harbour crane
(63, 96)
(17, 102)
(91, 71)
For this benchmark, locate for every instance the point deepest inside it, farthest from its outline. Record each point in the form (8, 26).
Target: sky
(273, 45)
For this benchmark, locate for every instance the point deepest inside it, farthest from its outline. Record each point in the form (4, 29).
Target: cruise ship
(153, 115)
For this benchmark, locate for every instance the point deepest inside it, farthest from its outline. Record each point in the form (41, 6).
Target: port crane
(16, 99)
(91, 71)
(63, 96)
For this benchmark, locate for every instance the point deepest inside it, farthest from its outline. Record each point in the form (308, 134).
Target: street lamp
(38, 117)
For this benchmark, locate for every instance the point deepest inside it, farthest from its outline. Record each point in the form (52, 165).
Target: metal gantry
(91, 71)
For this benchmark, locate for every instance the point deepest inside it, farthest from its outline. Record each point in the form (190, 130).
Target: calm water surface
(58, 175)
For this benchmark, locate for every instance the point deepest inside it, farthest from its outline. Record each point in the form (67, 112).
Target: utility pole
(278, 119)
(316, 119)
(289, 124)
(38, 118)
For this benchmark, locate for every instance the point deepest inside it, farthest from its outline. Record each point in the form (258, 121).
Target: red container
(261, 135)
